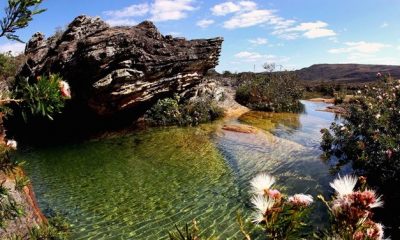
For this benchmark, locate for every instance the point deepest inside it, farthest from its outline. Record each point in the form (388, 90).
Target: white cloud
(158, 11)
(248, 19)
(246, 56)
(310, 30)
(130, 11)
(246, 14)
(384, 25)
(121, 22)
(231, 7)
(204, 23)
(360, 47)
(225, 8)
(15, 48)
(318, 33)
(164, 10)
(259, 41)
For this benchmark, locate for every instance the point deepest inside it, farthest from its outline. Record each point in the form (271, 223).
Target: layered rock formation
(112, 69)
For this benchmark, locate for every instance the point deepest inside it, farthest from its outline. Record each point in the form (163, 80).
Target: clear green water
(139, 186)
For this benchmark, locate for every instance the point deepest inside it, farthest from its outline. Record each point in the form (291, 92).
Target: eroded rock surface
(112, 69)
(26, 201)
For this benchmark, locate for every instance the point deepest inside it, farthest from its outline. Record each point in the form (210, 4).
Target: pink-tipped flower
(379, 75)
(12, 144)
(351, 208)
(369, 199)
(301, 200)
(65, 89)
(275, 194)
(358, 235)
(374, 230)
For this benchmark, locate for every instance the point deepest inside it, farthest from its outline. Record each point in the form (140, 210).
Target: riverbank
(25, 200)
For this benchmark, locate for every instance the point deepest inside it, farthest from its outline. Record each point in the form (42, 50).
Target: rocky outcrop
(112, 69)
(25, 199)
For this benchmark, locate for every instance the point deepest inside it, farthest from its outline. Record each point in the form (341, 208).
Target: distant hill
(346, 73)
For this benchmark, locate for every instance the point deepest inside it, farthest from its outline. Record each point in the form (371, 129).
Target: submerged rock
(112, 69)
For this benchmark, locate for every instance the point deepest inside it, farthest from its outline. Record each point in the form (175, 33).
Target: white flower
(262, 204)
(65, 89)
(301, 199)
(377, 116)
(359, 91)
(261, 183)
(257, 217)
(378, 199)
(345, 185)
(12, 144)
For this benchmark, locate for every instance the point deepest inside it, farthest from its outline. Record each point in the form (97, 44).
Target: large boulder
(112, 69)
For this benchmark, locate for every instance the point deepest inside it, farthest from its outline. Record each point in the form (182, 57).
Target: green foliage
(369, 141)
(47, 232)
(369, 136)
(9, 65)
(21, 182)
(42, 98)
(170, 111)
(7, 165)
(272, 92)
(339, 97)
(18, 14)
(9, 208)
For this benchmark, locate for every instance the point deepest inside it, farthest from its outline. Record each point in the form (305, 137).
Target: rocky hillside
(113, 69)
(346, 73)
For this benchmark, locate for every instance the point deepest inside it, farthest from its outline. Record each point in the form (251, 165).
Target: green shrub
(272, 92)
(369, 135)
(9, 66)
(369, 139)
(45, 97)
(170, 111)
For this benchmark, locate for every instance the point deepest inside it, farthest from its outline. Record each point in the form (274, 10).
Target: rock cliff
(112, 69)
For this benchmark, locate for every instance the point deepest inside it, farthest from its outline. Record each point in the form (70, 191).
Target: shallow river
(139, 186)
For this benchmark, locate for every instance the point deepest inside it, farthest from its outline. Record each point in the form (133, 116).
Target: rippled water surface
(139, 186)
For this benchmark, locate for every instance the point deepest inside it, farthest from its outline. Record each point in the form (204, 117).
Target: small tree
(18, 14)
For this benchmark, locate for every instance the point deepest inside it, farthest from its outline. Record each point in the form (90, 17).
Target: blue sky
(292, 33)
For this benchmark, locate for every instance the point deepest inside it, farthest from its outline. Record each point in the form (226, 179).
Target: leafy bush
(272, 92)
(369, 135)
(369, 140)
(170, 111)
(9, 66)
(45, 97)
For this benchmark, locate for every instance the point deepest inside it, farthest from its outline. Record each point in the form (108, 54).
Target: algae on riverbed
(137, 186)
(268, 121)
